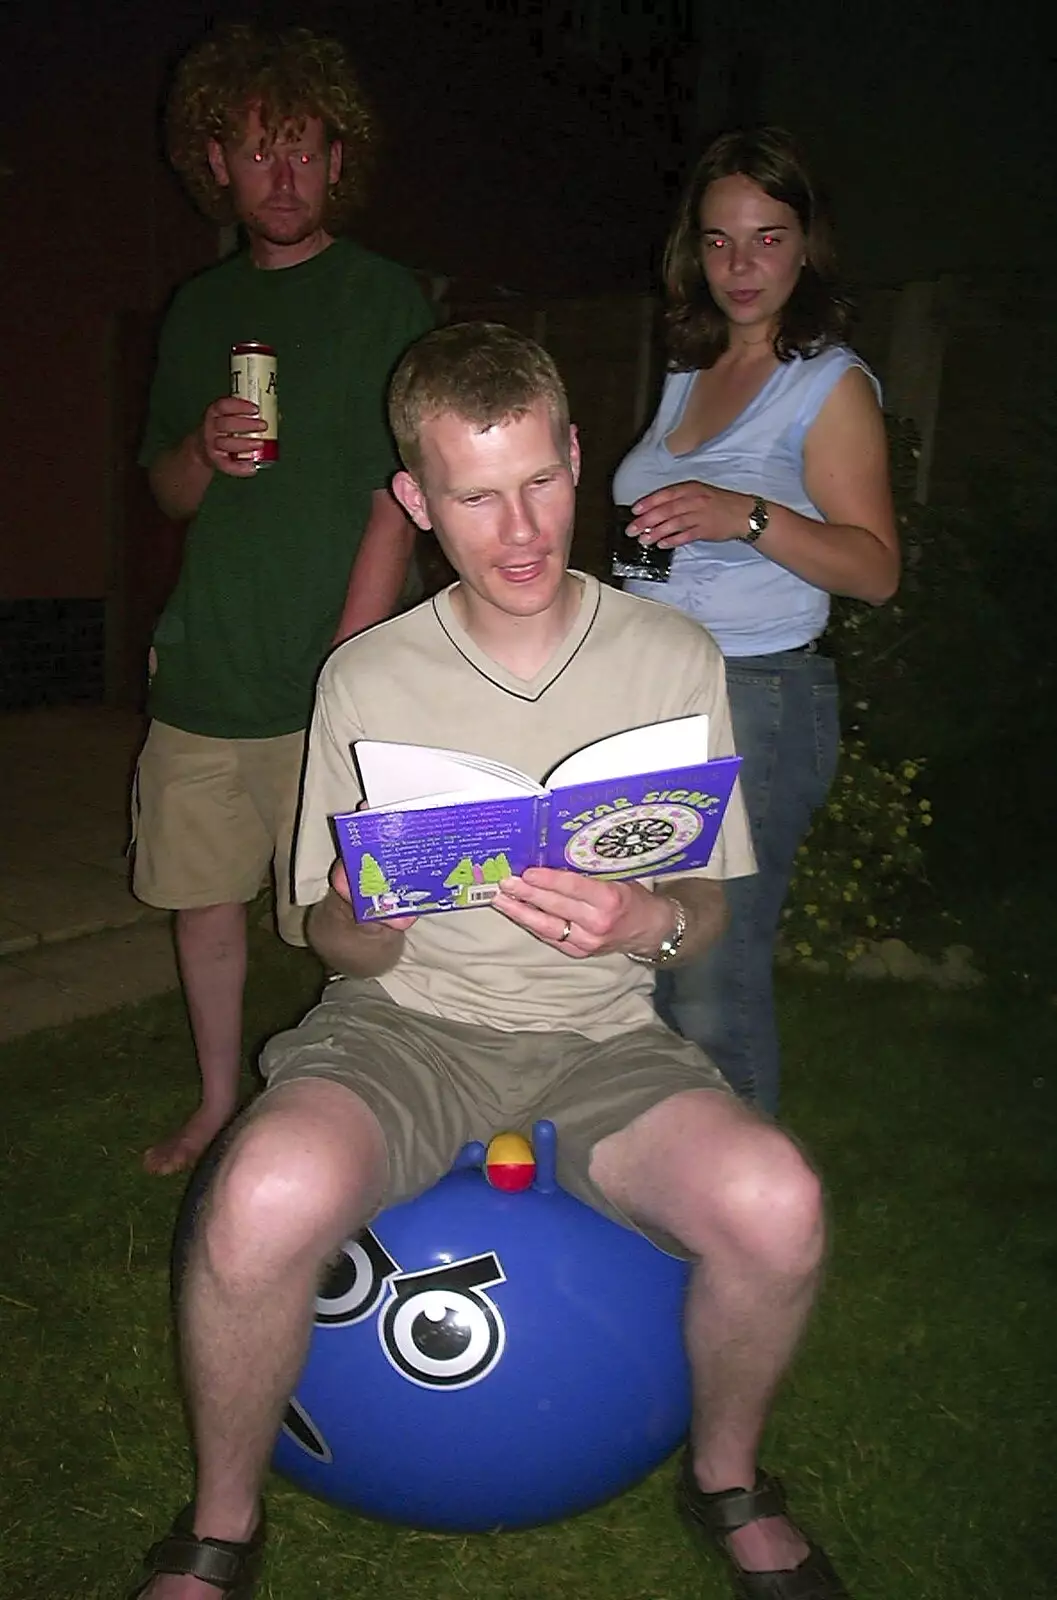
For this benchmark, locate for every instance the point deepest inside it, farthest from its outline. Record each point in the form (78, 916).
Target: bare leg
(303, 1173)
(211, 948)
(738, 1195)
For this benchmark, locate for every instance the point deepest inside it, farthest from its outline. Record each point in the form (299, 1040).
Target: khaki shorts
(211, 817)
(435, 1085)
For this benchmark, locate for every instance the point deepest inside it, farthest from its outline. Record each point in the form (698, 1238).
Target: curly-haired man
(269, 130)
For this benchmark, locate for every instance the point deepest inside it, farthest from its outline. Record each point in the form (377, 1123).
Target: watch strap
(668, 948)
(759, 517)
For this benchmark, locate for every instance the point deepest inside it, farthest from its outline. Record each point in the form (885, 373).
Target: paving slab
(51, 984)
(74, 942)
(67, 901)
(15, 936)
(64, 809)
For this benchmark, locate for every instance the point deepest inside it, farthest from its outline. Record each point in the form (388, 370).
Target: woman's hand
(853, 551)
(682, 513)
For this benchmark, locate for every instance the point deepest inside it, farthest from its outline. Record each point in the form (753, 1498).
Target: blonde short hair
(483, 372)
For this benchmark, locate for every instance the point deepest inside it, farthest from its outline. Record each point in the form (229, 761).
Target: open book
(443, 827)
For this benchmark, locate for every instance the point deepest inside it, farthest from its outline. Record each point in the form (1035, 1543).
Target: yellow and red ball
(509, 1164)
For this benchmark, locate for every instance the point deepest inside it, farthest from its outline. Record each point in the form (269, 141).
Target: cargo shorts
(212, 817)
(435, 1085)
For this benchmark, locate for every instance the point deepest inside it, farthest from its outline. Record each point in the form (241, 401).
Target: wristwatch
(759, 517)
(669, 945)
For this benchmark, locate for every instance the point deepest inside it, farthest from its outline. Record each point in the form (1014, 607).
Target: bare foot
(180, 1151)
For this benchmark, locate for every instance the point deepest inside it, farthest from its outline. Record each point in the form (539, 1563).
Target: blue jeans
(785, 713)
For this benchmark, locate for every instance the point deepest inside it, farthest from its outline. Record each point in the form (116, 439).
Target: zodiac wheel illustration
(641, 836)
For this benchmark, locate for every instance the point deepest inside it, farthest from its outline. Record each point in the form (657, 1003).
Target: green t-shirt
(267, 559)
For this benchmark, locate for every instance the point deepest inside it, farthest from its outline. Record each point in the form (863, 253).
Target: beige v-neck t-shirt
(419, 678)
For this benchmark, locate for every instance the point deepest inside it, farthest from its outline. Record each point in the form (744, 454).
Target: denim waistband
(777, 658)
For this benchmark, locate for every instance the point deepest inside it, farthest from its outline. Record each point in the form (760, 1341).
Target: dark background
(531, 145)
(532, 150)
(534, 144)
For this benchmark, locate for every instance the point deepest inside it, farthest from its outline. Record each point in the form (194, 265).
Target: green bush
(863, 861)
(859, 865)
(956, 675)
(936, 669)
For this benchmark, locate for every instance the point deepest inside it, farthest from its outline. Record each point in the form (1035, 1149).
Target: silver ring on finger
(565, 932)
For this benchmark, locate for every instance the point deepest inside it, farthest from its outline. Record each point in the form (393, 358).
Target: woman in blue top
(765, 469)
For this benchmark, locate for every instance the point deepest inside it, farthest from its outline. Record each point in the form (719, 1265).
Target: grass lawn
(915, 1435)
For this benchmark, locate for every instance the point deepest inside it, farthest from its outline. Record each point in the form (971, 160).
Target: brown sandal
(231, 1567)
(716, 1516)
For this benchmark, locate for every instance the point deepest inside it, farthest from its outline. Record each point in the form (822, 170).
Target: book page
(402, 775)
(662, 746)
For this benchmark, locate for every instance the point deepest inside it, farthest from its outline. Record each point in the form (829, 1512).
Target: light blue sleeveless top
(752, 606)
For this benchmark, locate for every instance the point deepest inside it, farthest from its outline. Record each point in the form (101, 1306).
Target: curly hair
(287, 76)
(483, 372)
(816, 313)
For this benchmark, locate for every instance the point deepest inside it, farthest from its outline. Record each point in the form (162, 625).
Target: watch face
(641, 837)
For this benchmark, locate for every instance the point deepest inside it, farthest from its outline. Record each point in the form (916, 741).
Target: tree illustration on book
(468, 875)
(373, 881)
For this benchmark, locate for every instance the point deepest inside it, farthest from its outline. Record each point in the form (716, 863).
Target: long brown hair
(816, 313)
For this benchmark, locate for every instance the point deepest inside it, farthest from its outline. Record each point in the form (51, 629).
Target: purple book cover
(447, 857)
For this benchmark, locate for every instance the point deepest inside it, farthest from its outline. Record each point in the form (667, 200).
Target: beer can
(255, 376)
